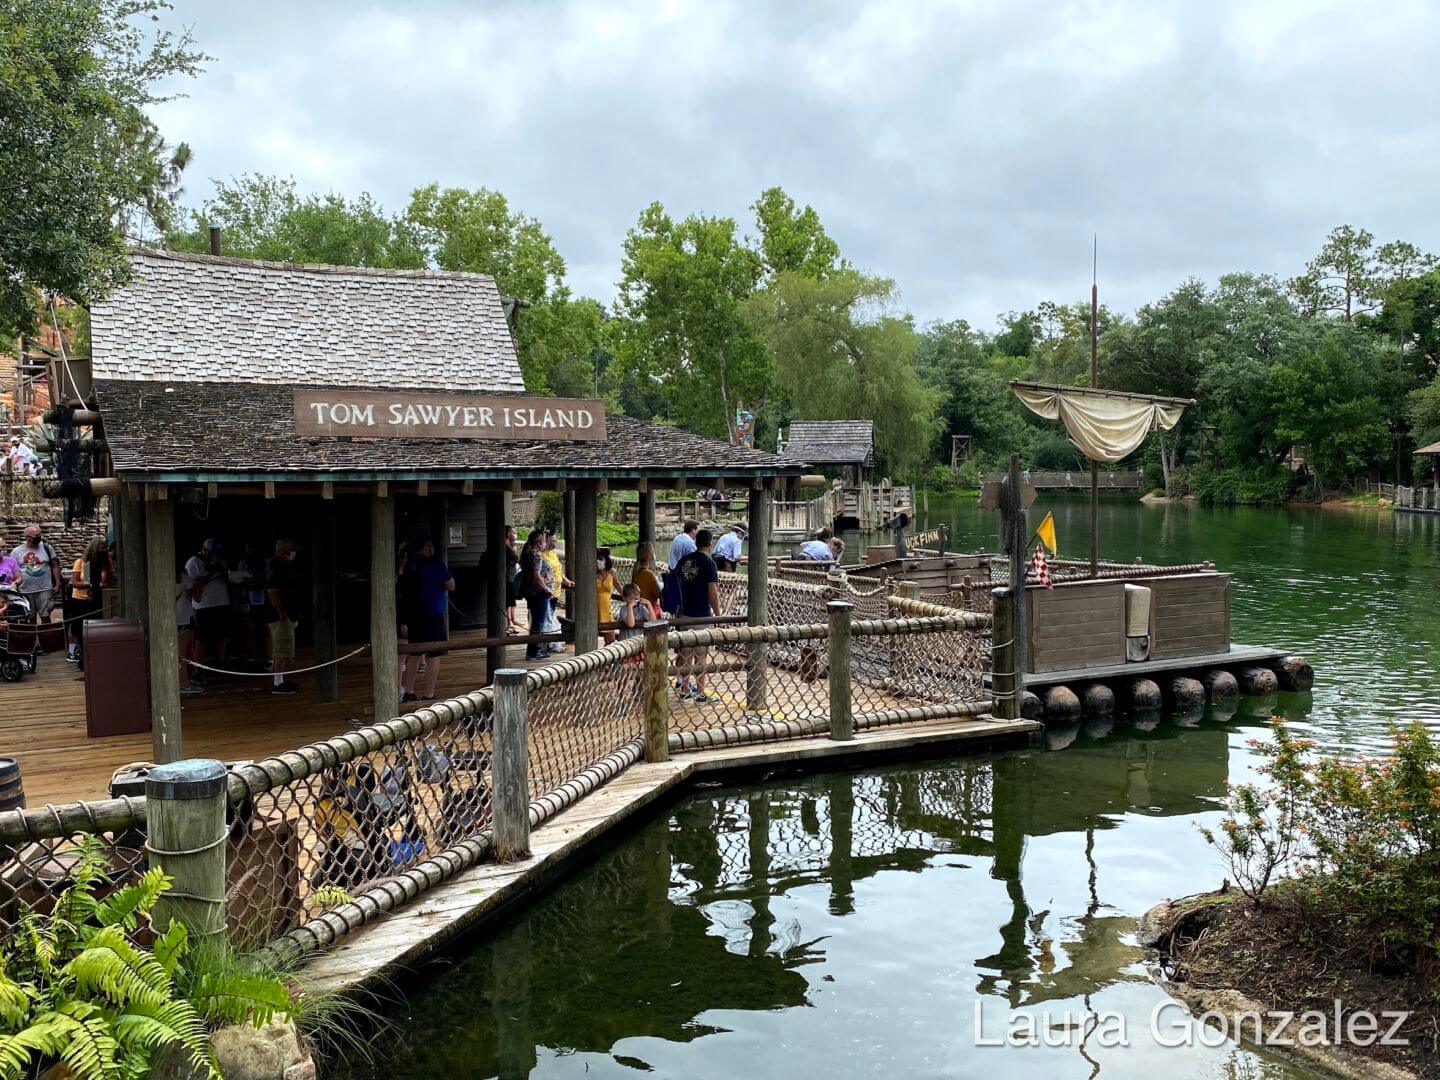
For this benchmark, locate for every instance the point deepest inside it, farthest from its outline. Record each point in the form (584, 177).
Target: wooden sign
(418, 415)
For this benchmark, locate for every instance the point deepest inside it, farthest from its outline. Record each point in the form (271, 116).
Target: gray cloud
(966, 149)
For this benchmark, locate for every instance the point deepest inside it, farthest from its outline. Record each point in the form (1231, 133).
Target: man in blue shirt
(699, 599)
(727, 548)
(434, 586)
(684, 542)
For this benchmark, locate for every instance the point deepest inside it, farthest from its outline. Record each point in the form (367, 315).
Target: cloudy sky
(966, 149)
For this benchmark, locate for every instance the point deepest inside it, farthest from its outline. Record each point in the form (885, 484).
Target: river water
(893, 921)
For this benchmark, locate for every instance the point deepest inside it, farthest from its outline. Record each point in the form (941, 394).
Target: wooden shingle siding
(1189, 615)
(1077, 624)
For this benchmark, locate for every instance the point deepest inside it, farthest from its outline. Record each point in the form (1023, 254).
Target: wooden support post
(161, 632)
(496, 582)
(842, 727)
(1013, 522)
(511, 767)
(647, 517)
(1006, 681)
(130, 535)
(384, 665)
(758, 609)
(185, 827)
(322, 601)
(910, 590)
(584, 603)
(657, 691)
(567, 526)
(440, 536)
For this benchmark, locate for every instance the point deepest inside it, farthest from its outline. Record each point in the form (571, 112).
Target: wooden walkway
(376, 954)
(42, 721)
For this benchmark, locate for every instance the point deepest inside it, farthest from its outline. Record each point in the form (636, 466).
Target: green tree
(792, 240)
(77, 150)
(265, 217)
(1323, 404)
(973, 383)
(681, 289)
(840, 352)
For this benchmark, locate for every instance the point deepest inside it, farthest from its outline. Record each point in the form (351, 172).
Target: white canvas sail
(1106, 425)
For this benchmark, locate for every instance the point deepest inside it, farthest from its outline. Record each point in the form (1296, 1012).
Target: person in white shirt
(727, 548)
(211, 598)
(684, 542)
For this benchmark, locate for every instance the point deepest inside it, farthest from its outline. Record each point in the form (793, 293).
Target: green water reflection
(846, 925)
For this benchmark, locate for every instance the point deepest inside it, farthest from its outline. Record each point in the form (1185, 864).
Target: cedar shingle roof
(196, 318)
(184, 429)
(1433, 448)
(831, 442)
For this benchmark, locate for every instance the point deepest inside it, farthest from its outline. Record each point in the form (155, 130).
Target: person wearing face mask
(281, 611)
(39, 572)
(607, 586)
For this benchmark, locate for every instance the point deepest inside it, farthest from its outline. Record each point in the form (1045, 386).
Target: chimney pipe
(214, 239)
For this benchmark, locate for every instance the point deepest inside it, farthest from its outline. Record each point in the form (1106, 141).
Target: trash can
(117, 689)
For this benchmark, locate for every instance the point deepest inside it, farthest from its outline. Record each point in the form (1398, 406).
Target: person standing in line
(607, 587)
(88, 578)
(535, 591)
(39, 572)
(727, 548)
(557, 582)
(435, 586)
(282, 608)
(211, 593)
(512, 579)
(185, 628)
(644, 578)
(699, 599)
(9, 566)
(684, 542)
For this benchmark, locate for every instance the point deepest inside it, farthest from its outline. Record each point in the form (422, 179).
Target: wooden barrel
(12, 791)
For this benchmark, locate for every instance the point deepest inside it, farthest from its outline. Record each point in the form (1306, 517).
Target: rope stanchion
(272, 674)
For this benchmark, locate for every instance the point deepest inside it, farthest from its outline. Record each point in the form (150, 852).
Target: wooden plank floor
(376, 953)
(1140, 669)
(42, 721)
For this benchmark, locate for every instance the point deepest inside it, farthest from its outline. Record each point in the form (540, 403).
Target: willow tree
(841, 352)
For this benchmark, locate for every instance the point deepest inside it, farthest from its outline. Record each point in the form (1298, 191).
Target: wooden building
(348, 408)
(846, 445)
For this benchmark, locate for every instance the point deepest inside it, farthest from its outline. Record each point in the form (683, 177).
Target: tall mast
(1095, 384)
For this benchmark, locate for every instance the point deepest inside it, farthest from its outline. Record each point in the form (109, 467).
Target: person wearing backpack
(39, 572)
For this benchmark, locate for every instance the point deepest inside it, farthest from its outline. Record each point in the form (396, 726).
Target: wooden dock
(376, 954)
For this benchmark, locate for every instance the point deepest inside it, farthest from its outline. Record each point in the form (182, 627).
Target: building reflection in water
(677, 926)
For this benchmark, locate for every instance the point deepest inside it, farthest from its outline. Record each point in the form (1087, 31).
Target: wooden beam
(165, 741)
(212, 491)
(642, 485)
(327, 491)
(157, 493)
(130, 536)
(422, 487)
(647, 517)
(510, 823)
(269, 489)
(560, 484)
(581, 551)
(517, 487)
(496, 583)
(384, 667)
(758, 605)
(602, 484)
(467, 487)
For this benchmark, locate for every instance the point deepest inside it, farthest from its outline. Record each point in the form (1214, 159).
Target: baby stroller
(19, 635)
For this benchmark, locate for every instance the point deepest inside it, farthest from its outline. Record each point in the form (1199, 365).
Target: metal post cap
(193, 778)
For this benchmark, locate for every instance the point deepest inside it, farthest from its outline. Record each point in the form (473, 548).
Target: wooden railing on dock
(1079, 480)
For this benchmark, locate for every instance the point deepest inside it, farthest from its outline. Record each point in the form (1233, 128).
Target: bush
(1361, 837)
(1239, 485)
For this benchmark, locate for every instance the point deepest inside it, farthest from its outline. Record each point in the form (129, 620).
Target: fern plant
(75, 988)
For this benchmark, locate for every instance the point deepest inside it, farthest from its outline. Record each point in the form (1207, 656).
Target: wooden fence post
(657, 691)
(1007, 682)
(842, 726)
(512, 767)
(910, 590)
(185, 803)
(757, 675)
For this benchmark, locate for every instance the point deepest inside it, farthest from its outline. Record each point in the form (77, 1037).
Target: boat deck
(1238, 654)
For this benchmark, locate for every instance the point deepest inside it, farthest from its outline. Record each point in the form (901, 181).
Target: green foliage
(1239, 485)
(74, 988)
(1361, 836)
(793, 240)
(681, 289)
(79, 158)
(841, 352)
(551, 511)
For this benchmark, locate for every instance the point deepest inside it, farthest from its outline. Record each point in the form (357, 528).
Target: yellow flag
(1046, 533)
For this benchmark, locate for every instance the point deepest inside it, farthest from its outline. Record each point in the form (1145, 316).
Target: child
(607, 584)
(637, 612)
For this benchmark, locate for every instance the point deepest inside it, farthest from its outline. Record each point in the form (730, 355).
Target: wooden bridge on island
(1079, 480)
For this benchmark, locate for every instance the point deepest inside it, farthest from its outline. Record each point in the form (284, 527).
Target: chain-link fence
(328, 837)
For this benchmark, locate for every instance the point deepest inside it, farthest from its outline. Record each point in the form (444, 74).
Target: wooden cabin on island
(1421, 498)
(348, 409)
(854, 500)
